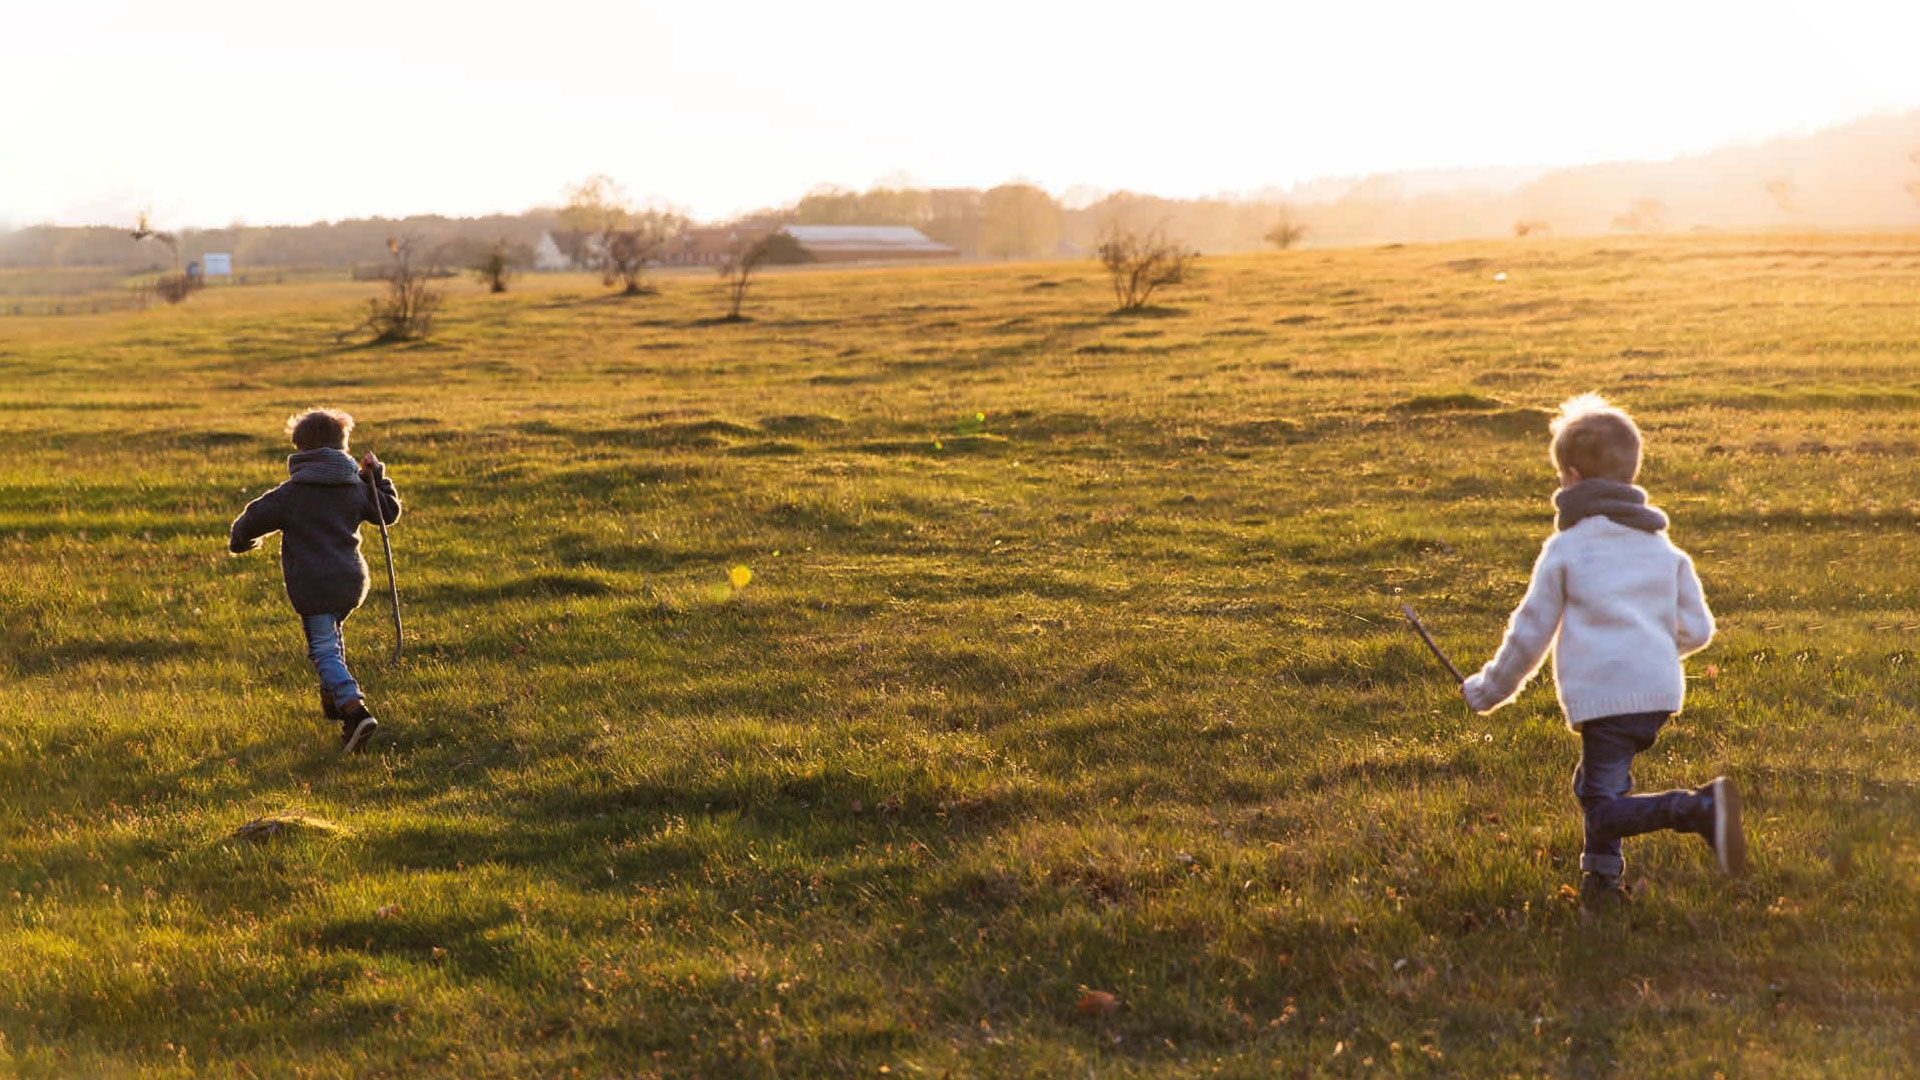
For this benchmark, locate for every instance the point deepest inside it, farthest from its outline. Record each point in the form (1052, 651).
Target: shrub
(1287, 231)
(406, 312)
(1139, 265)
(497, 267)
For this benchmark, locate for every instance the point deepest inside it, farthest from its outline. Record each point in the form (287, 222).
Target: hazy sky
(212, 111)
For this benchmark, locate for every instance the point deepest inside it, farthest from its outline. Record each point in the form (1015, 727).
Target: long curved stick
(1407, 610)
(386, 545)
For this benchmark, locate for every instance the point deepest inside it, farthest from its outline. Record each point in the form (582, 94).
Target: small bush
(497, 267)
(1286, 232)
(406, 312)
(173, 288)
(1140, 265)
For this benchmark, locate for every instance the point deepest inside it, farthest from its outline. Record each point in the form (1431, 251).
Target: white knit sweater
(1619, 607)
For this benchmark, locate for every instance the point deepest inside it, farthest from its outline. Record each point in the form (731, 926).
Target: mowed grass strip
(1068, 662)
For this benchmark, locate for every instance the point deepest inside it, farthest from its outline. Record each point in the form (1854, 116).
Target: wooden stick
(1407, 610)
(380, 515)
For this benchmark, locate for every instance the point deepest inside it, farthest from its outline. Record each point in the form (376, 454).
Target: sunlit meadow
(942, 675)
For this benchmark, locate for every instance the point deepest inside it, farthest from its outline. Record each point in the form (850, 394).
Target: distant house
(548, 256)
(863, 243)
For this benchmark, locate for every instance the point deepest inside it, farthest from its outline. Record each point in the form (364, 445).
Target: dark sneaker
(328, 708)
(357, 725)
(1724, 831)
(1599, 892)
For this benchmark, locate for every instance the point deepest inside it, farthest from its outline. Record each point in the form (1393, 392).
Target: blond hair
(1595, 439)
(315, 428)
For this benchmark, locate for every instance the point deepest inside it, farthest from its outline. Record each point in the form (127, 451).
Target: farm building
(860, 243)
(707, 246)
(710, 246)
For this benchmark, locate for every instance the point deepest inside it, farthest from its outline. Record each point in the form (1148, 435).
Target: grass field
(1068, 662)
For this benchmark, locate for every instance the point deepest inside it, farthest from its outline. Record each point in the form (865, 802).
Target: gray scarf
(1623, 503)
(325, 466)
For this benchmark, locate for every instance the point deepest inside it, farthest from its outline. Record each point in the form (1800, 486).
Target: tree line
(1011, 221)
(323, 244)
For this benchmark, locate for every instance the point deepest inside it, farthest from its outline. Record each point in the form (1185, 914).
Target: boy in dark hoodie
(318, 514)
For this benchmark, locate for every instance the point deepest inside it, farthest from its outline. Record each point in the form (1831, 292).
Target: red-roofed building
(708, 245)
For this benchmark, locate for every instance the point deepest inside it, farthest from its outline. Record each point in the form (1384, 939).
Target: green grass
(1069, 661)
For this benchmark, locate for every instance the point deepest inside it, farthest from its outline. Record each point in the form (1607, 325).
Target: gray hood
(324, 466)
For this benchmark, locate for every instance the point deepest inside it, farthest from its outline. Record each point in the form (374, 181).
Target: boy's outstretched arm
(261, 517)
(1694, 626)
(1530, 632)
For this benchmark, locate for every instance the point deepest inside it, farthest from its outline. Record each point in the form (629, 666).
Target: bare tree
(143, 230)
(406, 312)
(626, 252)
(746, 257)
(171, 287)
(1287, 231)
(497, 267)
(617, 240)
(1529, 226)
(595, 206)
(1139, 265)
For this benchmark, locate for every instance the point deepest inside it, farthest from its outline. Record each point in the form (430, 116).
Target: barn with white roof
(867, 243)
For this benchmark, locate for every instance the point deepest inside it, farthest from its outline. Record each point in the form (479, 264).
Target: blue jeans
(327, 648)
(1602, 781)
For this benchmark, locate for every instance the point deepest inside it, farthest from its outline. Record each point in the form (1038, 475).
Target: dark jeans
(1605, 776)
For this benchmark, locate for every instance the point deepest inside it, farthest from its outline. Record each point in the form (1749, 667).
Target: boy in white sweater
(1619, 605)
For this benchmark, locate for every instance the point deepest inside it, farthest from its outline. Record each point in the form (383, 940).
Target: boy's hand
(371, 466)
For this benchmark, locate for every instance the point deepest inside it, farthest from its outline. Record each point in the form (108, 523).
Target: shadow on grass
(73, 654)
(704, 434)
(588, 551)
(476, 946)
(1404, 772)
(557, 584)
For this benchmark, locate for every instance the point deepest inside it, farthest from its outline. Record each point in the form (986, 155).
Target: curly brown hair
(315, 428)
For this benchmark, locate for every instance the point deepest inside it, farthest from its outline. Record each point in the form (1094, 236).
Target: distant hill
(1865, 174)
